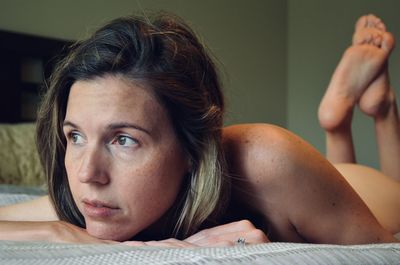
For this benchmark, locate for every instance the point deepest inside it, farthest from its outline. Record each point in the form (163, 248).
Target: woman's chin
(108, 232)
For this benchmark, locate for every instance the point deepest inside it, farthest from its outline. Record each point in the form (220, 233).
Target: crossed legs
(361, 79)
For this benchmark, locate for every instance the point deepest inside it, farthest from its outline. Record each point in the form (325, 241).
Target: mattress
(270, 253)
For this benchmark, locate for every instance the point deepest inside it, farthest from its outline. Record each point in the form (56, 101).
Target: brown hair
(166, 55)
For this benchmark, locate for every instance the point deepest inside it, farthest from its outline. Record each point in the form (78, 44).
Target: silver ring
(241, 241)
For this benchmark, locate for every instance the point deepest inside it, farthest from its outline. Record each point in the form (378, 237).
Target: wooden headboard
(25, 62)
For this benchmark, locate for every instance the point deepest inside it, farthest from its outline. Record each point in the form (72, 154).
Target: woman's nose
(93, 167)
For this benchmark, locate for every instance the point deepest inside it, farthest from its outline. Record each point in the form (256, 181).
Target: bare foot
(376, 99)
(360, 65)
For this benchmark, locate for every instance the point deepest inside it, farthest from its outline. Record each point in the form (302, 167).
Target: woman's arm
(36, 220)
(51, 231)
(302, 196)
(39, 209)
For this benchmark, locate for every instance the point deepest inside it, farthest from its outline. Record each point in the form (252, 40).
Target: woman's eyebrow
(121, 125)
(71, 124)
(112, 126)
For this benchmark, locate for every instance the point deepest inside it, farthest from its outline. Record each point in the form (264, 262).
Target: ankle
(339, 145)
(330, 122)
(387, 108)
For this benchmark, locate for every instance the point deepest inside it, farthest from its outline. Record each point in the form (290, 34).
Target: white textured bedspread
(273, 253)
(44, 253)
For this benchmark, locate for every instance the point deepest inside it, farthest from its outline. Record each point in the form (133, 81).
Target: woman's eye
(124, 140)
(76, 138)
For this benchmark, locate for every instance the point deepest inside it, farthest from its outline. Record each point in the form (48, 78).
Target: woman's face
(124, 162)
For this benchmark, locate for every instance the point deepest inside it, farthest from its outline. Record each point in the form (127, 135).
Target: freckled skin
(140, 174)
(298, 194)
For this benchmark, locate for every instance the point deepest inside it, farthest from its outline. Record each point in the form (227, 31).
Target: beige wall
(248, 37)
(318, 33)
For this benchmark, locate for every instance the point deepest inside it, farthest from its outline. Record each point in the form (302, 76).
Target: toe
(371, 20)
(377, 39)
(362, 36)
(361, 23)
(388, 41)
(381, 26)
(375, 22)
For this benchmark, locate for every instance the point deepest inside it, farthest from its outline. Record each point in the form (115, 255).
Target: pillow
(19, 159)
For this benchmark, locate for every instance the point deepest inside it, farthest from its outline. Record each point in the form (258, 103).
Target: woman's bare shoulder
(264, 150)
(291, 183)
(265, 161)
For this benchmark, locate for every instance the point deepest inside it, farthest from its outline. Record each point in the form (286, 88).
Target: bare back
(300, 195)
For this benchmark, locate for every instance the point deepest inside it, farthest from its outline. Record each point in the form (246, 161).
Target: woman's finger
(240, 232)
(254, 236)
(234, 227)
(171, 242)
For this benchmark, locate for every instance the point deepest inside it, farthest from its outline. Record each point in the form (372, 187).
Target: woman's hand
(223, 235)
(171, 242)
(228, 235)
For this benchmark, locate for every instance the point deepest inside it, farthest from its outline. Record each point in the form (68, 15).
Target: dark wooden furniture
(25, 62)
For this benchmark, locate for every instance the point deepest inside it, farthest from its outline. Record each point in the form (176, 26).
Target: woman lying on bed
(130, 136)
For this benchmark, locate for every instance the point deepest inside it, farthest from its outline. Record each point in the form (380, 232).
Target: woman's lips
(98, 209)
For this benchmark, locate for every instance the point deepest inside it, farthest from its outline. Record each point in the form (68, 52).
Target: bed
(21, 179)
(273, 253)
